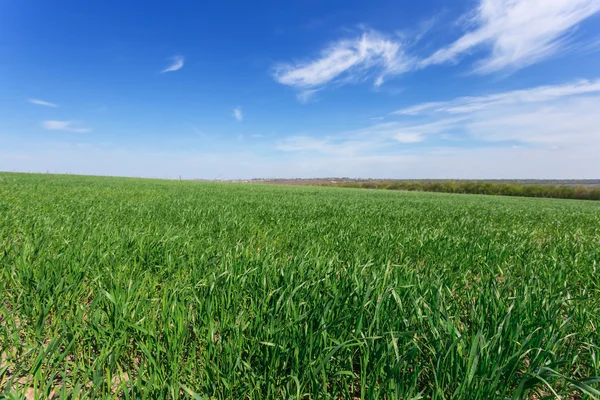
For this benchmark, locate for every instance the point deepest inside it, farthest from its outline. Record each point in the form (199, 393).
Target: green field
(130, 288)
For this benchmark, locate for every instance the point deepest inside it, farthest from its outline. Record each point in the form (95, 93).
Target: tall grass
(125, 288)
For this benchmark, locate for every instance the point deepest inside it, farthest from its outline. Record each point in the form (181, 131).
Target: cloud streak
(176, 64)
(517, 32)
(42, 103)
(539, 94)
(65, 126)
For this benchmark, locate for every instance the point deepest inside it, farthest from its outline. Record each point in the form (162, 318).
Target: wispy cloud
(547, 116)
(237, 114)
(539, 94)
(517, 32)
(566, 123)
(327, 145)
(42, 103)
(67, 126)
(368, 140)
(305, 96)
(369, 55)
(418, 108)
(401, 132)
(176, 64)
(504, 35)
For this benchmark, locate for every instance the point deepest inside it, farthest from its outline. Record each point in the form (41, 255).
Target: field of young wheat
(130, 288)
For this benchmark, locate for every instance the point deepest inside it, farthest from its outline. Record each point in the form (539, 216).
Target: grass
(129, 288)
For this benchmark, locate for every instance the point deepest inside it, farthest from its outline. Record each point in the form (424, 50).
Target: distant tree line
(579, 192)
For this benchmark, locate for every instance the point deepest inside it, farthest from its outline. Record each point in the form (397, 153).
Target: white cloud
(348, 60)
(176, 64)
(42, 103)
(515, 33)
(546, 116)
(571, 122)
(237, 114)
(67, 126)
(539, 94)
(518, 32)
(379, 81)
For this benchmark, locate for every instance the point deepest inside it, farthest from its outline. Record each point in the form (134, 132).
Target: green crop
(131, 288)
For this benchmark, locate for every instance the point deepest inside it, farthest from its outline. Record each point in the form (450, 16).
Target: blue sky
(382, 89)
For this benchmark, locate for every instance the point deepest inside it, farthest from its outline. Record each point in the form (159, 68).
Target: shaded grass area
(127, 288)
(579, 192)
